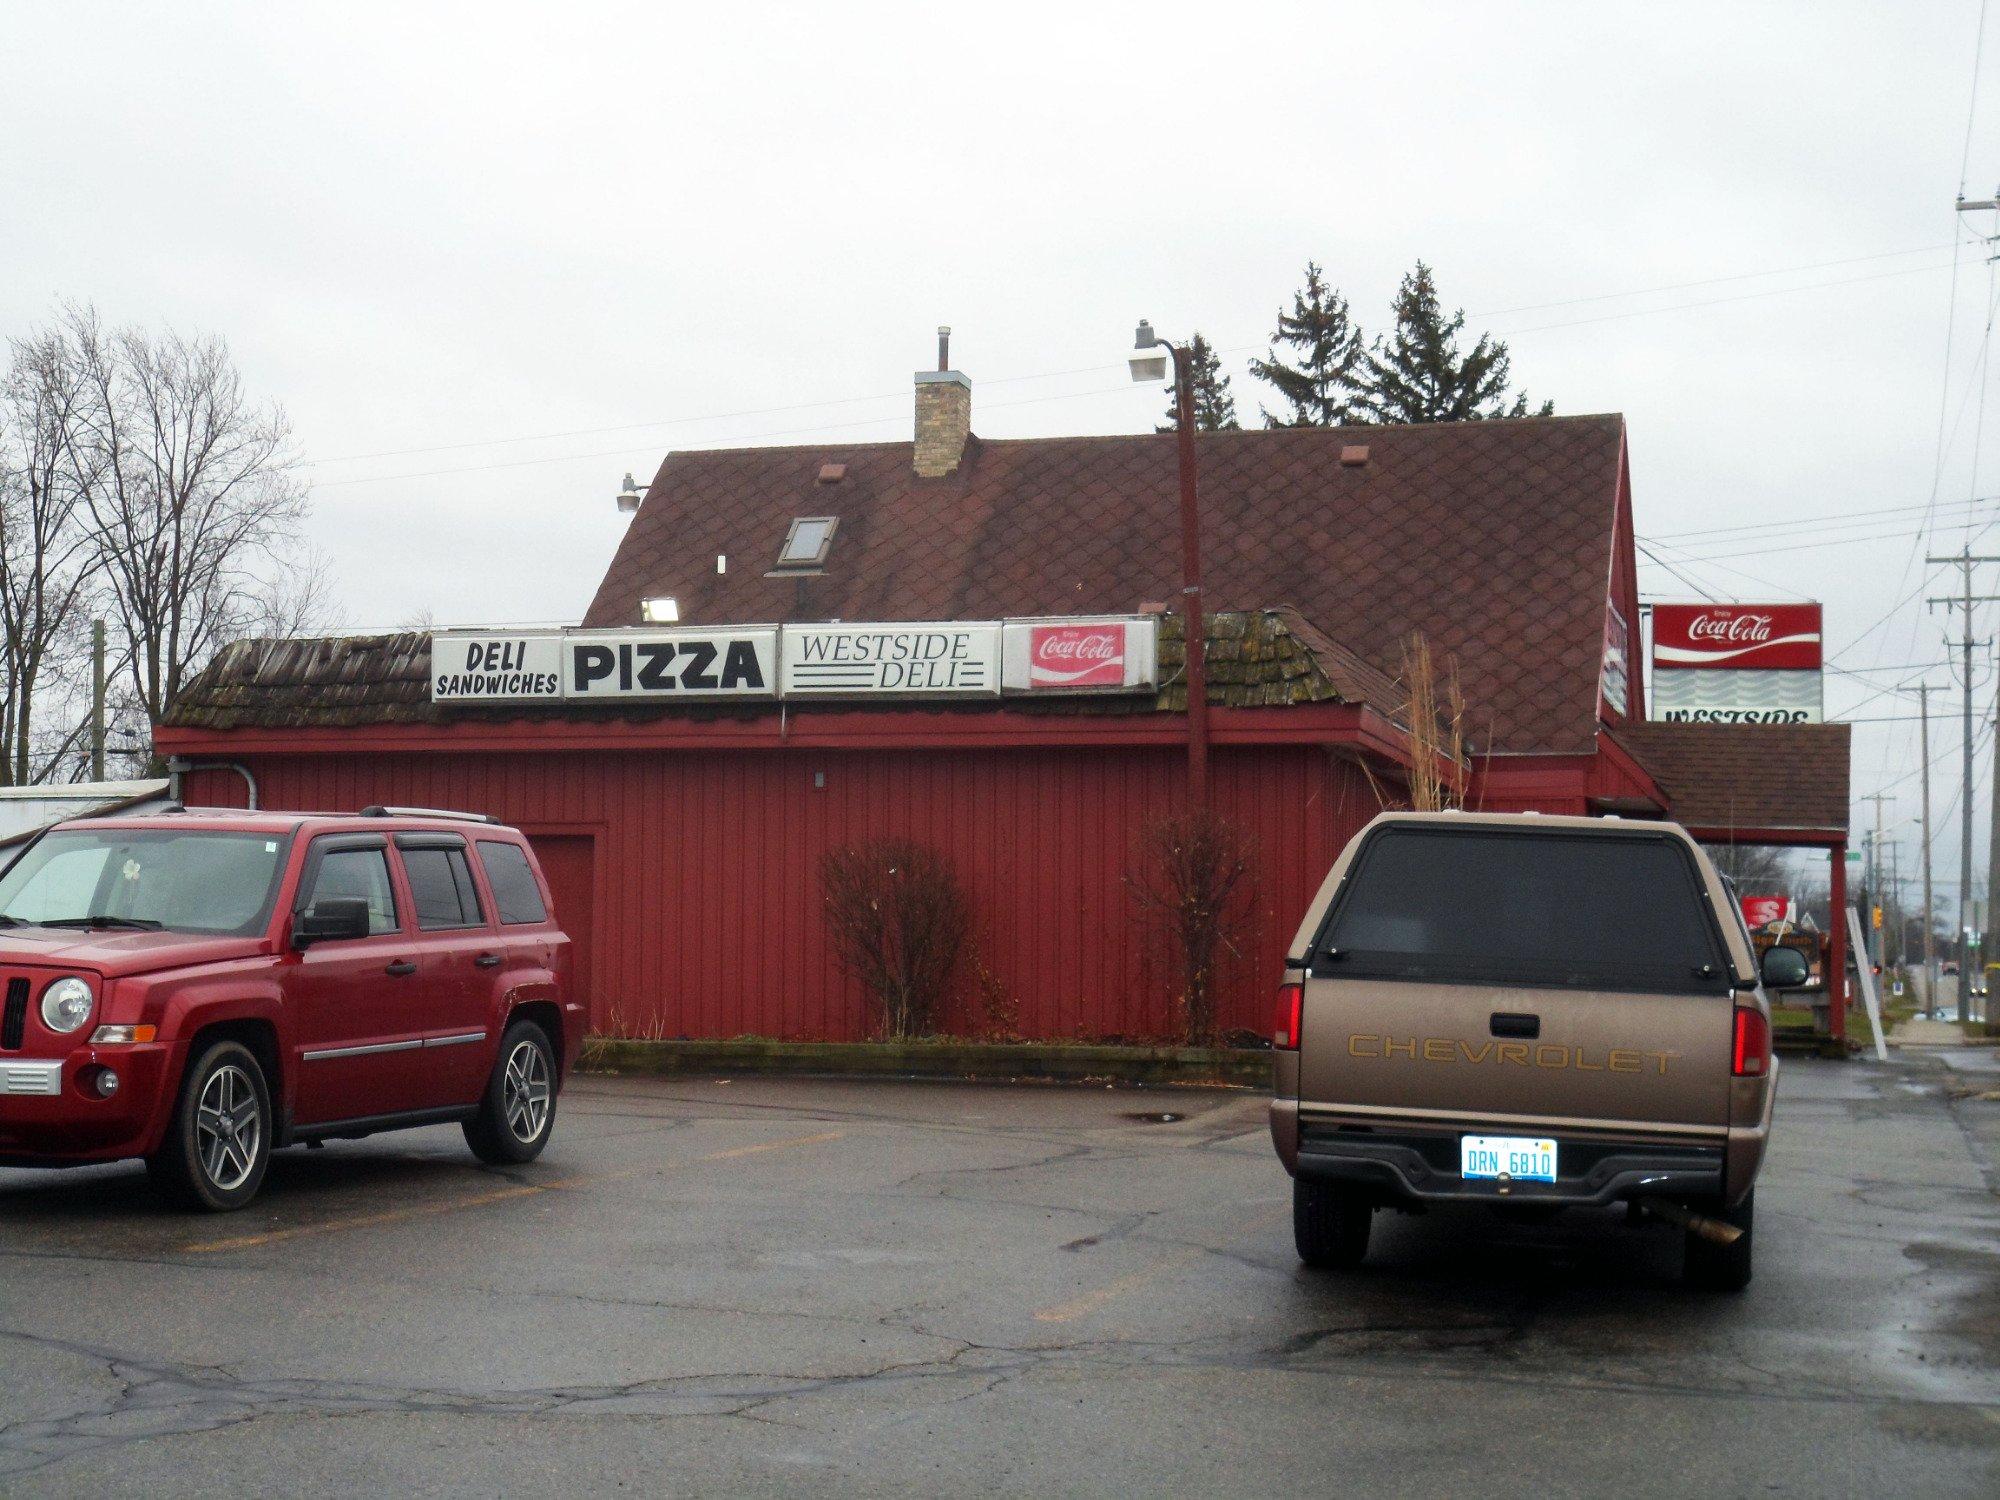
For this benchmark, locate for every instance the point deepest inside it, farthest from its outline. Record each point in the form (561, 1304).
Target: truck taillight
(1285, 1032)
(1753, 1044)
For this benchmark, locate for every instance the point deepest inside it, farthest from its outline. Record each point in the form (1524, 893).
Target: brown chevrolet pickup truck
(1528, 1011)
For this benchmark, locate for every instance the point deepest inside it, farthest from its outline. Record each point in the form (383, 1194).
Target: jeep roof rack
(379, 811)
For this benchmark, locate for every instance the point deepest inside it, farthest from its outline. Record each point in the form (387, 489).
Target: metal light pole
(1148, 367)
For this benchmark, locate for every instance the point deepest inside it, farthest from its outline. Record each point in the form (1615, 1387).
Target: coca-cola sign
(1076, 655)
(1736, 637)
(1081, 654)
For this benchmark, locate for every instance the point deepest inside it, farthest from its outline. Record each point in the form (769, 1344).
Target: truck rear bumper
(1422, 1166)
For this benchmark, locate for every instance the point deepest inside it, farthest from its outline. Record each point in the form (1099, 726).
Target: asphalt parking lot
(775, 1286)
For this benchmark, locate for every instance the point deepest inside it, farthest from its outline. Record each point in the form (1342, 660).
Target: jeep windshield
(197, 881)
(1467, 905)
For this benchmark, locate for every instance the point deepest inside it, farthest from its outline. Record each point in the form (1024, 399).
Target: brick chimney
(944, 414)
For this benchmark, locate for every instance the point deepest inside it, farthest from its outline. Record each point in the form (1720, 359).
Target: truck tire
(218, 1143)
(1722, 1268)
(519, 1107)
(1330, 1224)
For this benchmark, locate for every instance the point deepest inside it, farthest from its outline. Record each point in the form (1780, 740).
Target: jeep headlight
(67, 1004)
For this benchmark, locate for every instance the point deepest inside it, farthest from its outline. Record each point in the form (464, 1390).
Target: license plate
(1517, 1156)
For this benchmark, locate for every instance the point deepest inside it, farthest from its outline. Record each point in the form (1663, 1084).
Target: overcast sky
(491, 256)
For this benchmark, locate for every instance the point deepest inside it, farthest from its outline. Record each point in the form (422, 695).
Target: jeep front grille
(14, 1020)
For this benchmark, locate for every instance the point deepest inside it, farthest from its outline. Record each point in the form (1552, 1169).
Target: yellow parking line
(400, 1215)
(798, 1140)
(1111, 1291)
(1089, 1302)
(477, 1200)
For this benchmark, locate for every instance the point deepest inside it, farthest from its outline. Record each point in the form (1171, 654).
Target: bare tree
(1194, 884)
(47, 561)
(193, 497)
(899, 921)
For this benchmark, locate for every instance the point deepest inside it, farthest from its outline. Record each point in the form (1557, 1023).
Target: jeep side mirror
(331, 919)
(1784, 968)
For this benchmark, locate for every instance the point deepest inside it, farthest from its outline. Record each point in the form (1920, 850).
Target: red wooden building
(684, 841)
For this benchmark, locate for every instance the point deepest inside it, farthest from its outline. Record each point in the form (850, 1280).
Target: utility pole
(1875, 934)
(96, 700)
(1965, 562)
(1930, 918)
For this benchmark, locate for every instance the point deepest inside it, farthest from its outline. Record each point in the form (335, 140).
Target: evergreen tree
(1320, 390)
(1214, 406)
(1417, 373)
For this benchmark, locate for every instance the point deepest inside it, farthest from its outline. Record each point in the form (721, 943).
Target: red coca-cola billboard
(1736, 637)
(1076, 656)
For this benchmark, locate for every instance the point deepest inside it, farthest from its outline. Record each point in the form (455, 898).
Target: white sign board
(663, 664)
(899, 660)
(477, 666)
(1751, 697)
(1070, 655)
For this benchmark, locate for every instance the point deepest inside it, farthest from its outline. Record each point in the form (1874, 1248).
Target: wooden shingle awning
(1749, 783)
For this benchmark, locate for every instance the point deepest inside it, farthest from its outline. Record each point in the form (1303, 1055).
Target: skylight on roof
(807, 543)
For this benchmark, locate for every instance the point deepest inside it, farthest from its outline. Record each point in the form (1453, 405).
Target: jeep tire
(518, 1109)
(1722, 1268)
(1330, 1224)
(218, 1141)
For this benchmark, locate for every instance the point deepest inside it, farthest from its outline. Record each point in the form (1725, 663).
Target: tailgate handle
(1513, 1023)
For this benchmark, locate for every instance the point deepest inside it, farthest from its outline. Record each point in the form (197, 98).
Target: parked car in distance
(1526, 1012)
(198, 988)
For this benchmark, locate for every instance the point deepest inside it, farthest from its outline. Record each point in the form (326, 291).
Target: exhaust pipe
(1713, 1230)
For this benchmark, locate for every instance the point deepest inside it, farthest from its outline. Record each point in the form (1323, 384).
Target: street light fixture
(629, 497)
(1148, 366)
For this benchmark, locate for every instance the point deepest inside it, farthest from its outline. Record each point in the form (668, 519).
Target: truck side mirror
(331, 919)
(1784, 968)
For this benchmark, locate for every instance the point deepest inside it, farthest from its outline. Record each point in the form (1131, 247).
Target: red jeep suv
(199, 987)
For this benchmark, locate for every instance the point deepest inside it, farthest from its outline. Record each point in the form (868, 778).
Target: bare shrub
(1435, 713)
(1193, 885)
(998, 1009)
(899, 920)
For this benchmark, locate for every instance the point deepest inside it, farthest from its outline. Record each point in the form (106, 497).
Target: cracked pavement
(775, 1286)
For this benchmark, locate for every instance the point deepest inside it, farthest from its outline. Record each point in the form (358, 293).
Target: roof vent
(832, 473)
(1354, 455)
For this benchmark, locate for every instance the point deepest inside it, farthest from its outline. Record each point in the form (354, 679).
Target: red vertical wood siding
(708, 911)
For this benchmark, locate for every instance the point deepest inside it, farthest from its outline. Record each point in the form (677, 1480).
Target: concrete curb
(993, 1061)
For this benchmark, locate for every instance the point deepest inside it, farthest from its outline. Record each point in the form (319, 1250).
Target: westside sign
(1737, 663)
(845, 660)
(950, 659)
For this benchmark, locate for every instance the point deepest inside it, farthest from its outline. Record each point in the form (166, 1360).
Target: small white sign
(1112, 655)
(728, 663)
(914, 660)
(477, 665)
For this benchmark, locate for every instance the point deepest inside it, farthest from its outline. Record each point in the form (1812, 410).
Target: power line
(1059, 374)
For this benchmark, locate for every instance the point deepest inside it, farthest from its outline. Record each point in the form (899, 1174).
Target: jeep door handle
(488, 960)
(1513, 1023)
(401, 967)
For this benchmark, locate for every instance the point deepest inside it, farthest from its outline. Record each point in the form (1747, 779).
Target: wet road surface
(788, 1286)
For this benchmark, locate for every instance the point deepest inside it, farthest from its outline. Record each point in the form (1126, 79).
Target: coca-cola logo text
(1734, 628)
(1076, 655)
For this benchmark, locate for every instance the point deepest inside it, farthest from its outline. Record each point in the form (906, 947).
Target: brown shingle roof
(1494, 538)
(1255, 659)
(1719, 776)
